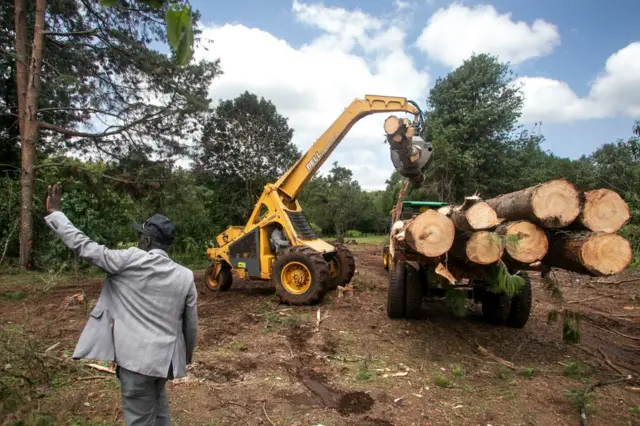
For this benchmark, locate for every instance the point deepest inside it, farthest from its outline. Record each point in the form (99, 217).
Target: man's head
(156, 233)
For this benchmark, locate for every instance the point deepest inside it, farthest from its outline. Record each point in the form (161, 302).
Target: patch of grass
(238, 346)
(364, 372)
(443, 382)
(14, 295)
(458, 371)
(578, 370)
(527, 372)
(504, 373)
(635, 410)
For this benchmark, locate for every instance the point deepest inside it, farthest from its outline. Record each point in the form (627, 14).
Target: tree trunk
(553, 204)
(430, 234)
(473, 215)
(604, 211)
(595, 254)
(525, 242)
(28, 120)
(481, 247)
(397, 211)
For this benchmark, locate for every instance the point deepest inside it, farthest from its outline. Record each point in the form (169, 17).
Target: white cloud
(314, 83)
(455, 33)
(615, 92)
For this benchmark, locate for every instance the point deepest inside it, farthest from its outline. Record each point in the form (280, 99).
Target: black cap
(158, 227)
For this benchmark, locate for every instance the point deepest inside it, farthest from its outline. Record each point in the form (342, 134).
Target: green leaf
(185, 50)
(180, 33)
(108, 2)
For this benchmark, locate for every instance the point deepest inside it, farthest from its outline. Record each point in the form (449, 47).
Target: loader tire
(385, 257)
(396, 292)
(413, 293)
(496, 307)
(342, 266)
(521, 305)
(300, 276)
(222, 282)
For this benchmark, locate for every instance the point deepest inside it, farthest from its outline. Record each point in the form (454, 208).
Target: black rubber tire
(496, 307)
(346, 265)
(318, 268)
(396, 292)
(224, 280)
(521, 304)
(413, 293)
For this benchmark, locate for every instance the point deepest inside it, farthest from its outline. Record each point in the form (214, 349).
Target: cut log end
(556, 203)
(484, 248)
(392, 125)
(604, 211)
(481, 216)
(430, 234)
(606, 254)
(525, 241)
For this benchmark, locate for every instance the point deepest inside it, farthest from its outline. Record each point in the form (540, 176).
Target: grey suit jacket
(146, 317)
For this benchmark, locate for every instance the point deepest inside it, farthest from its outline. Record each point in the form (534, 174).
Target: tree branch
(75, 133)
(86, 33)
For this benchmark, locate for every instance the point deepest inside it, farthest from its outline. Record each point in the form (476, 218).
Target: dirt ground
(261, 363)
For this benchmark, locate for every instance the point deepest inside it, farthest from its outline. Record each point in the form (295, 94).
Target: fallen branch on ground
(485, 352)
(609, 363)
(102, 368)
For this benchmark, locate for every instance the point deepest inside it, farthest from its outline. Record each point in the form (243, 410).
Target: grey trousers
(144, 399)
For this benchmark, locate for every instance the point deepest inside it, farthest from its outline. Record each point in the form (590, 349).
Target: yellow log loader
(277, 243)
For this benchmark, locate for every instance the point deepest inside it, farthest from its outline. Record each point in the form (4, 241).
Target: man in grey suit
(145, 319)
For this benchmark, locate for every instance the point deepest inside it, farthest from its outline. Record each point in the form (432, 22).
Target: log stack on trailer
(553, 224)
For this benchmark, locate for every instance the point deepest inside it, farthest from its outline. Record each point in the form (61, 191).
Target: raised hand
(54, 198)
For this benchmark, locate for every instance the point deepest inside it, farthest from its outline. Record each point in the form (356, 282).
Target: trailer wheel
(413, 293)
(222, 282)
(521, 304)
(496, 307)
(300, 276)
(396, 291)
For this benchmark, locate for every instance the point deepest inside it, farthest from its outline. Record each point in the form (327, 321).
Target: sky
(578, 62)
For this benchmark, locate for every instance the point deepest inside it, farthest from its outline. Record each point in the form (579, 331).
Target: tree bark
(595, 254)
(473, 215)
(28, 119)
(525, 242)
(480, 248)
(430, 234)
(553, 204)
(604, 211)
(397, 211)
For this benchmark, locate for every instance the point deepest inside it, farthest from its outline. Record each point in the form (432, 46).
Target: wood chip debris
(399, 374)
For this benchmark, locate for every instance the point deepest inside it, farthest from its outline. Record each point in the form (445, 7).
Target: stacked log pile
(553, 224)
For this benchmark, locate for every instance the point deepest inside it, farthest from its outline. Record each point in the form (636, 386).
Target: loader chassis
(303, 272)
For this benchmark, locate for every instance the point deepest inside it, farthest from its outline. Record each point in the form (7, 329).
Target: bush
(353, 233)
(632, 233)
(316, 229)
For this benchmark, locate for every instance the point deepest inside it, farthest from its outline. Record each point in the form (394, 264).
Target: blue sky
(581, 100)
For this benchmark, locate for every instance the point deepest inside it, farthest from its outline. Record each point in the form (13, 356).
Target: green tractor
(409, 209)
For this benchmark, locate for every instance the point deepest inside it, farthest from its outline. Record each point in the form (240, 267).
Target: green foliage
(456, 301)
(582, 399)
(505, 282)
(571, 327)
(180, 32)
(13, 295)
(364, 372)
(353, 233)
(527, 372)
(443, 382)
(578, 370)
(317, 229)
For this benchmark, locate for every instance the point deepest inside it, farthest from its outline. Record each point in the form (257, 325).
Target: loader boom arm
(293, 181)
